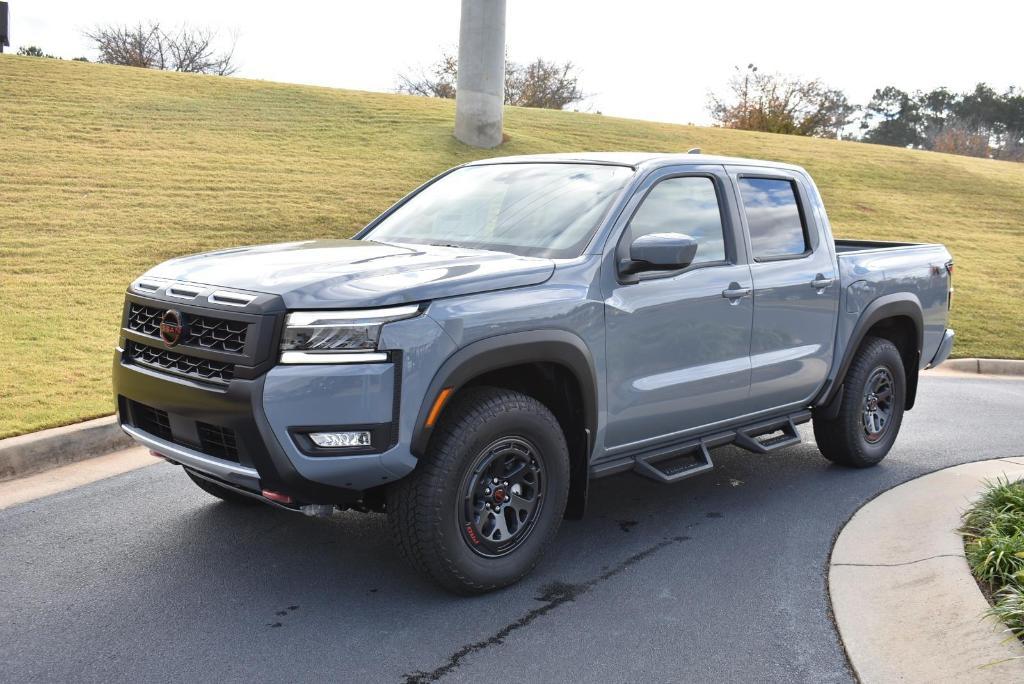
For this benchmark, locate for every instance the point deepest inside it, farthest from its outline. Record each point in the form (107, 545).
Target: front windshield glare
(545, 210)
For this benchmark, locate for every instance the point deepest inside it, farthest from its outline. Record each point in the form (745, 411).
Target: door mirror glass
(660, 252)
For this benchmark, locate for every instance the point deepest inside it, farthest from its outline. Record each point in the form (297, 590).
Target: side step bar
(676, 463)
(678, 466)
(747, 438)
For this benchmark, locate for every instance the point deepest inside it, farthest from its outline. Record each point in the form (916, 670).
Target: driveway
(144, 577)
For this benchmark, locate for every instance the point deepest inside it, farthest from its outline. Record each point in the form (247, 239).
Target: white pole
(480, 91)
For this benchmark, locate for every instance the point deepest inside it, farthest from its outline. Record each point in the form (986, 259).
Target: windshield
(543, 210)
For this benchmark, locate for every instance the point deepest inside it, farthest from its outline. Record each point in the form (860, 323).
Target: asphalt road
(143, 577)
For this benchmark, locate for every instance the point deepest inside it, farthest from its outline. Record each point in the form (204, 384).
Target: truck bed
(870, 269)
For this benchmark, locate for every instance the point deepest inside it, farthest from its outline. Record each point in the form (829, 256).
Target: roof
(635, 159)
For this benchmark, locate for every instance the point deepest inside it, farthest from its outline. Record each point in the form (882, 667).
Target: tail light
(949, 270)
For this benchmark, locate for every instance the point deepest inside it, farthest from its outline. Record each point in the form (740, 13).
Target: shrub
(1009, 607)
(993, 532)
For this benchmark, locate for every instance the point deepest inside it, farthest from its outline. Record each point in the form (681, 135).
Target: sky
(644, 59)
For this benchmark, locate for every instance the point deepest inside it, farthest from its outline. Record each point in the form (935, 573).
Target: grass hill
(106, 170)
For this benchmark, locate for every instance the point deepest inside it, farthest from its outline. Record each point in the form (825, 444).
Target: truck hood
(356, 273)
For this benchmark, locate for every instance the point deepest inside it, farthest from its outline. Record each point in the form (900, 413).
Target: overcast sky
(641, 58)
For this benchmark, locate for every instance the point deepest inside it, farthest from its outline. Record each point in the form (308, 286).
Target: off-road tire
(846, 439)
(424, 507)
(222, 493)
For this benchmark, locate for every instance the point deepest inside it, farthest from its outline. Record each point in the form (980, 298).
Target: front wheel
(480, 508)
(870, 410)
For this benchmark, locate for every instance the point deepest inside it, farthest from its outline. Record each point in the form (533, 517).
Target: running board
(673, 464)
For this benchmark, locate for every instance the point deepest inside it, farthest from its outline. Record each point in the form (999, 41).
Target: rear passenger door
(796, 287)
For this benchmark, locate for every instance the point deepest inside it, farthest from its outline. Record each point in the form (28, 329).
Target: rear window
(773, 217)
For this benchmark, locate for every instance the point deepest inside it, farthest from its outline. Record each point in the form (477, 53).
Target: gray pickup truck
(515, 327)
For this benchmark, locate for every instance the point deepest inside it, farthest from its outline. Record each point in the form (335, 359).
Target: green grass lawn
(107, 170)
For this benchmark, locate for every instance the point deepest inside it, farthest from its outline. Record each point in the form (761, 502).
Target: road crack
(896, 565)
(554, 595)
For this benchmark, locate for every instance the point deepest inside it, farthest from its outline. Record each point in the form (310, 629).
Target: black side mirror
(659, 252)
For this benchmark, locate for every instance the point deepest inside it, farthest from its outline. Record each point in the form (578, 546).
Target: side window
(773, 217)
(687, 205)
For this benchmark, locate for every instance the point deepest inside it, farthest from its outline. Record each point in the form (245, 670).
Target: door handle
(735, 292)
(820, 282)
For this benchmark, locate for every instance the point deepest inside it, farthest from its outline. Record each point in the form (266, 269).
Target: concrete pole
(480, 91)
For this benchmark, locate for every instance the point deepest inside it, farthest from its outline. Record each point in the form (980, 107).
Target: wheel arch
(896, 317)
(554, 366)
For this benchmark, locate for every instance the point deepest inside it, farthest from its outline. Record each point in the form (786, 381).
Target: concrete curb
(985, 366)
(904, 600)
(39, 451)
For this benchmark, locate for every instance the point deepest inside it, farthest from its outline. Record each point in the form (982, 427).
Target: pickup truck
(515, 327)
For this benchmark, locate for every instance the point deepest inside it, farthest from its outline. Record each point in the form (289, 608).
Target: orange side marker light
(435, 410)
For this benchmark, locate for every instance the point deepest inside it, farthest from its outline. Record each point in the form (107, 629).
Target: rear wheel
(488, 498)
(870, 410)
(222, 493)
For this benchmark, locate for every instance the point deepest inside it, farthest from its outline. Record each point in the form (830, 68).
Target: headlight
(338, 336)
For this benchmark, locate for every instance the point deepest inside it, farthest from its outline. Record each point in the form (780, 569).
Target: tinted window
(773, 217)
(547, 210)
(687, 205)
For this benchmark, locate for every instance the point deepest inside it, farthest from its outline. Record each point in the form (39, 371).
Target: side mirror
(659, 252)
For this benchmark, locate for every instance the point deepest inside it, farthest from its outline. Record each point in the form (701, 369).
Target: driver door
(678, 342)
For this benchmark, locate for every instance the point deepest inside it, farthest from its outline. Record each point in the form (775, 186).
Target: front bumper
(225, 471)
(221, 404)
(264, 417)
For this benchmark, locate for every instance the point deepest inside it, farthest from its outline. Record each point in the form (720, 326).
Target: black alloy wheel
(502, 496)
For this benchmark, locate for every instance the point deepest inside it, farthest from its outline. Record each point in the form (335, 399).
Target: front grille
(217, 334)
(181, 364)
(154, 421)
(217, 441)
(144, 319)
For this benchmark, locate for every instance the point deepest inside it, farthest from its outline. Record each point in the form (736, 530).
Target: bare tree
(150, 46)
(956, 136)
(543, 84)
(137, 46)
(758, 101)
(540, 83)
(437, 81)
(192, 50)
(1012, 148)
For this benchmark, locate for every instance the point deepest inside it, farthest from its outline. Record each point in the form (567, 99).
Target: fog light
(330, 440)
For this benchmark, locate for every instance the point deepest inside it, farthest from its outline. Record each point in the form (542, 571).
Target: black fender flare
(502, 351)
(900, 304)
